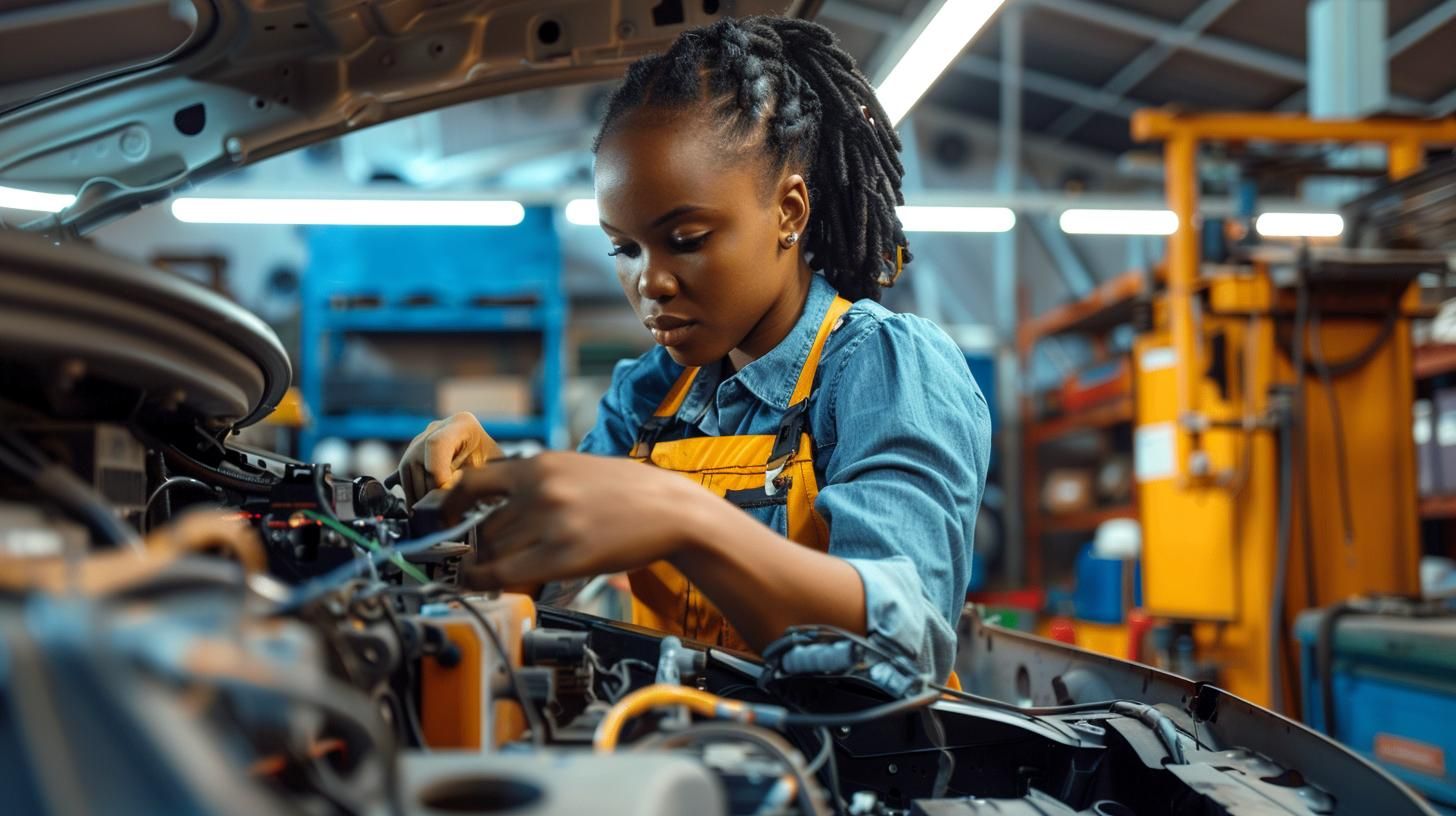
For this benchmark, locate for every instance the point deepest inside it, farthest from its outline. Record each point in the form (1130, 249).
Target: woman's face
(697, 236)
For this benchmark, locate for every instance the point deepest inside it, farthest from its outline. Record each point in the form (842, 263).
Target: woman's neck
(775, 324)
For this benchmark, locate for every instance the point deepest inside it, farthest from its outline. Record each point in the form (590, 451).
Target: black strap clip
(786, 445)
(651, 431)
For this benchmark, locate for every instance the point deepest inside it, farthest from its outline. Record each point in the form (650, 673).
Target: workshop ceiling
(1089, 63)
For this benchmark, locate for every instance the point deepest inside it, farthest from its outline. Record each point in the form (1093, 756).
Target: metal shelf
(1438, 507)
(1434, 360)
(1116, 412)
(1088, 520)
(395, 427)
(439, 319)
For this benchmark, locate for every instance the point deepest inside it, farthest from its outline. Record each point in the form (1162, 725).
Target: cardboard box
(1067, 490)
(486, 396)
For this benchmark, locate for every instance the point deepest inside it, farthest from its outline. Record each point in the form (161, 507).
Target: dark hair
(786, 87)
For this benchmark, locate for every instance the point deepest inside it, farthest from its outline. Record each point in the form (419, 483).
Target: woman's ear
(793, 204)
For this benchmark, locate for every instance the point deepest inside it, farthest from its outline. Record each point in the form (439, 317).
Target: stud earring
(791, 239)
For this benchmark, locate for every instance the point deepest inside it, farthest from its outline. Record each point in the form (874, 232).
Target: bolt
(135, 143)
(626, 29)
(893, 769)
(843, 730)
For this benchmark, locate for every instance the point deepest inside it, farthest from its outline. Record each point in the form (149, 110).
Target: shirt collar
(772, 377)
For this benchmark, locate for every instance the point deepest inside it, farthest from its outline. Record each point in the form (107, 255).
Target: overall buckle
(786, 445)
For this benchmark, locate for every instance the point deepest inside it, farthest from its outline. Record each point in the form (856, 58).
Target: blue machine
(1393, 680)
(433, 280)
(1103, 583)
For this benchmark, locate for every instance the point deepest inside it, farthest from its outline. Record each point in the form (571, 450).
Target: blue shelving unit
(435, 280)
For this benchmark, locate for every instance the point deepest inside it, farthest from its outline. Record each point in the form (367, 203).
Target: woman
(747, 180)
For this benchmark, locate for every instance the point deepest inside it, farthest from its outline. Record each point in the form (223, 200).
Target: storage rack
(1093, 317)
(1431, 363)
(472, 282)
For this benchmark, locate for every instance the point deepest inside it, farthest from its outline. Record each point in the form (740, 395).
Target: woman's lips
(675, 336)
(670, 331)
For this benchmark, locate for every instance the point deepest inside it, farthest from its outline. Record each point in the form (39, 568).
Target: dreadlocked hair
(785, 86)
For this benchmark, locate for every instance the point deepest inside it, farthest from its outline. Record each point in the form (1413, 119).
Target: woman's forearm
(762, 582)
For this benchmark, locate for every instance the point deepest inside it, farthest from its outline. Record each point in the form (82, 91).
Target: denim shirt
(902, 438)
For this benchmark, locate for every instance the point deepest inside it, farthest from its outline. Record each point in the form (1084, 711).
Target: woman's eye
(625, 250)
(690, 243)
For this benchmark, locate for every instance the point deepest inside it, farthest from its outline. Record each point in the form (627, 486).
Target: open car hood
(255, 79)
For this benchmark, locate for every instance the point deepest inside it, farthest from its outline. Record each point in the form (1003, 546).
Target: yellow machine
(1273, 419)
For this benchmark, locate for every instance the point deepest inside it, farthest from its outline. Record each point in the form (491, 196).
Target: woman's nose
(657, 283)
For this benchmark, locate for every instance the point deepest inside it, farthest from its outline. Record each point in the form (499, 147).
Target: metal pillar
(1348, 77)
(1008, 362)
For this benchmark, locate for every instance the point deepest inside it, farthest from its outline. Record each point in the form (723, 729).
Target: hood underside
(256, 78)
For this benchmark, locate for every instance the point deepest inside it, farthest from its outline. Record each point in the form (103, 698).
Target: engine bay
(193, 626)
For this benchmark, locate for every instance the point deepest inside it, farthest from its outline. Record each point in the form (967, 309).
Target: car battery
(1393, 683)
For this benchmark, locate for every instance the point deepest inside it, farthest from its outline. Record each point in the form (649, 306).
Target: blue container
(1099, 593)
(1394, 687)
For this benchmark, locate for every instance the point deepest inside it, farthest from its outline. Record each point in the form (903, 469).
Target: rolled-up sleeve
(903, 479)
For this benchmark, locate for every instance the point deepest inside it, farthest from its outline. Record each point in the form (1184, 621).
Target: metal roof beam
(1219, 48)
(862, 17)
(1049, 85)
(1144, 64)
(1419, 29)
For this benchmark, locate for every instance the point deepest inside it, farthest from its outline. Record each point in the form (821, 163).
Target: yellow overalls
(750, 471)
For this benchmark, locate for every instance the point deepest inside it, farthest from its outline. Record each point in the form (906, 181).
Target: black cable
(342, 574)
(345, 706)
(411, 711)
(924, 698)
(1029, 711)
(187, 466)
(1281, 569)
(1159, 722)
(64, 489)
(161, 490)
(831, 770)
(528, 706)
(767, 741)
(1342, 464)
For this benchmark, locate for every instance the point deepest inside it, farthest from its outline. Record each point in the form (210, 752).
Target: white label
(1157, 359)
(1154, 454)
(344, 500)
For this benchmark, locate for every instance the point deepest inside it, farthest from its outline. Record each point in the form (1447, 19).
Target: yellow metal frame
(1183, 133)
(1209, 539)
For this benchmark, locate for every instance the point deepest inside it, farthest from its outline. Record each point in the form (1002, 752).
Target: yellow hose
(657, 696)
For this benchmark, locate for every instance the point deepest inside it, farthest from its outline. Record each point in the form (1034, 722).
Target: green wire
(368, 543)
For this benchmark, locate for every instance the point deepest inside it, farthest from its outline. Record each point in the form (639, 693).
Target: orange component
(455, 699)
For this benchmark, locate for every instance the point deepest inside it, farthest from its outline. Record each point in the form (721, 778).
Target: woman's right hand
(443, 451)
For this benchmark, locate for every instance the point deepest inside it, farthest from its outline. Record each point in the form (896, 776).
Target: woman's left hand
(571, 515)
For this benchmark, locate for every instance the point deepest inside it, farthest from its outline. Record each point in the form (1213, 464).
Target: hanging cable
(1342, 462)
(163, 488)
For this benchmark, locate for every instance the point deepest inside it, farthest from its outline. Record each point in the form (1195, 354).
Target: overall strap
(791, 427)
(666, 412)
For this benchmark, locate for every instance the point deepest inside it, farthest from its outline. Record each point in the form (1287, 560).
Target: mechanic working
(747, 180)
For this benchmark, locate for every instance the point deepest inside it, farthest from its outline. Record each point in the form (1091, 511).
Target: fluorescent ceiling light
(1299, 225)
(582, 212)
(1119, 222)
(954, 24)
(361, 212)
(956, 219)
(16, 199)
